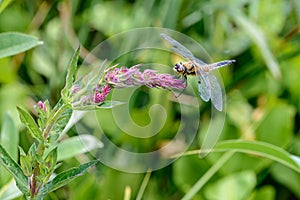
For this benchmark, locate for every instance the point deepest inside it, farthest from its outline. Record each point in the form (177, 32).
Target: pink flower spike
(42, 106)
(98, 98)
(75, 88)
(129, 77)
(106, 89)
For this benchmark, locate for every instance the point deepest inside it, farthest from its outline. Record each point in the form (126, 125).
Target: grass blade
(258, 38)
(264, 149)
(203, 180)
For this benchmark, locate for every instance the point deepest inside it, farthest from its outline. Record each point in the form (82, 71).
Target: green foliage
(77, 145)
(262, 91)
(39, 164)
(31, 125)
(105, 104)
(3, 4)
(9, 138)
(242, 182)
(15, 170)
(14, 43)
(64, 178)
(260, 148)
(71, 77)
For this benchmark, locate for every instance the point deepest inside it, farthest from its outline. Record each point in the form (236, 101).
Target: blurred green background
(262, 88)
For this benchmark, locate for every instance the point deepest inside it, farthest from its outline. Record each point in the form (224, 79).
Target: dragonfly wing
(216, 92)
(178, 48)
(203, 84)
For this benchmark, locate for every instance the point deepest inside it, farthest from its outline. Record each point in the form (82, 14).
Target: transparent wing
(216, 92)
(203, 84)
(203, 77)
(178, 48)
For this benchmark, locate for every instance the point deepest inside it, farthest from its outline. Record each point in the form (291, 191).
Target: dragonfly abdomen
(218, 65)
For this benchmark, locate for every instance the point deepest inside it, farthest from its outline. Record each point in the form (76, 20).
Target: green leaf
(9, 138)
(4, 4)
(71, 76)
(110, 104)
(60, 124)
(239, 184)
(32, 151)
(29, 122)
(13, 43)
(208, 175)
(25, 162)
(15, 170)
(187, 170)
(260, 148)
(279, 120)
(64, 178)
(9, 191)
(50, 160)
(105, 105)
(276, 10)
(77, 145)
(286, 177)
(264, 192)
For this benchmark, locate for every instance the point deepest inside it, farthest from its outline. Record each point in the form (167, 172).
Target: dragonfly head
(179, 68)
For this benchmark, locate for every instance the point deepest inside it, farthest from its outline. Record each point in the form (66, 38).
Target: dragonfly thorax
(186, 68)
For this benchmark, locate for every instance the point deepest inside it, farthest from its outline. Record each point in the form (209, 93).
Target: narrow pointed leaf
(71, 75)
(15, 170)
(9, 138)
(60, 124)
(12, 43)
(241, 184)
(77, 145)
(257, 36)
(105, 105)
(4, 4)
(9, 191)
(64, 114)
(29, 122)
(51, 160)
(260, 148)
(65, 177)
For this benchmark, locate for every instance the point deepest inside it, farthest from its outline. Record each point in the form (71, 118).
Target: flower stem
(53, 118)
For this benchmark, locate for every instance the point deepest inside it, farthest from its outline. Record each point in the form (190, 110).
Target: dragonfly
(208, 85)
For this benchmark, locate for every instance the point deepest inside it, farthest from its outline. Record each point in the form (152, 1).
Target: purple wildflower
(127, 77)
(91, 90)
(100, 96)
(42, 106)
(75, 88)
(89, 97)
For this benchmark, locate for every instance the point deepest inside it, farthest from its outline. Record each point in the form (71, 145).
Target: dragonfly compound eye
(179, 67)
